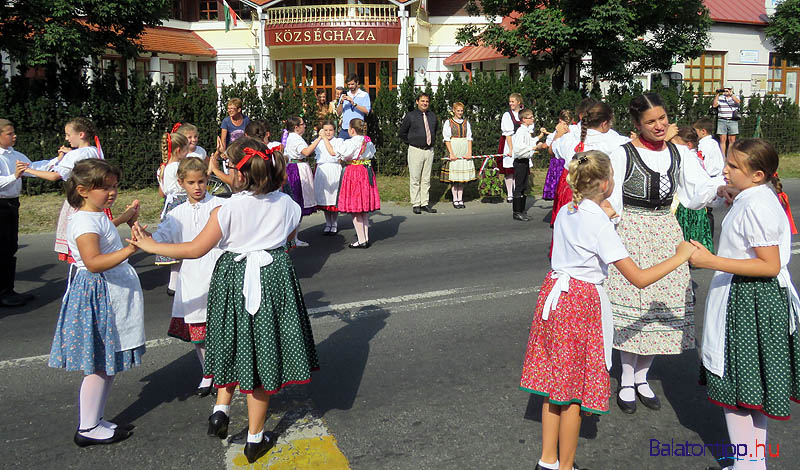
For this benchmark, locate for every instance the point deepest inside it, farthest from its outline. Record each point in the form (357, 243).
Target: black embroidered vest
(642, 186)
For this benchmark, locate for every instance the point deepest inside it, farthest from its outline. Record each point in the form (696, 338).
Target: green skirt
(695, 226)
(271, 349)
(762, 361)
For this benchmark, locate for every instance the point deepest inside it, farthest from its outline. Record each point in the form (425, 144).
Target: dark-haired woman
(660, 318)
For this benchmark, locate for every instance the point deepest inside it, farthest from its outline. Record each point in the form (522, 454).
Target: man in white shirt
(12, 165)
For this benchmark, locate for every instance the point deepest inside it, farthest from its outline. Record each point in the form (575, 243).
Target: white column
(402, 48)
(155, 69)
(338, 65)
(264, 60)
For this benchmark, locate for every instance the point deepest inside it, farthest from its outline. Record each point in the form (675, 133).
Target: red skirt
(565, 359)
(358, 190)
(563, 196)
(194, 332)
(499, 160)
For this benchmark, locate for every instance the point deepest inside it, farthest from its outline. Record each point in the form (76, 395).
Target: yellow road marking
(319, 453)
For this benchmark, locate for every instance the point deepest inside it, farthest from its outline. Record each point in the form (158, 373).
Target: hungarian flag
(230, 15)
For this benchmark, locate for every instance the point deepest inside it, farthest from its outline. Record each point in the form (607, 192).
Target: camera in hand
(721, 90)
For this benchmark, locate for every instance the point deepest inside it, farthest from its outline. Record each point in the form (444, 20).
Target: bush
(131, 121)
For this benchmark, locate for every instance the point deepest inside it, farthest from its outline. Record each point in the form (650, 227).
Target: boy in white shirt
(524, 147)
(709, 148)
(12, 165)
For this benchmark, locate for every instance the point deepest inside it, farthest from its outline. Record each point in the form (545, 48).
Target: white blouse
(506, 124)
(585, 242)
(169, 181)
(321, 152)
(198, 152)
(755, 219)
(564, 147)
(713, 160)
(447, 132)
(67, 163)
(183, 224)
(295, 144)
(349, 149)
(692, 181)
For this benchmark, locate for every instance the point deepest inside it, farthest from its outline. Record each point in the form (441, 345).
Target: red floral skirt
(189, 332)
(358, 190)
(565, 359)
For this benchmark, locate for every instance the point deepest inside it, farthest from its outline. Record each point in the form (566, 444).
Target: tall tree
(42, 32)
(784, 30)
(623, 37)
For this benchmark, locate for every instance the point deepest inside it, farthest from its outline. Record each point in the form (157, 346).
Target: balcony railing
(343, 14)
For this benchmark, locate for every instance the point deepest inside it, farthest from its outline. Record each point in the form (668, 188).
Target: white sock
(256, 438)
(206, 382)
(549, 466)
(108, 424)
(628, 364)
(223, 408)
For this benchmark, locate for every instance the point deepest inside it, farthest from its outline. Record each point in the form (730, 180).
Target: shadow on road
(343, 359)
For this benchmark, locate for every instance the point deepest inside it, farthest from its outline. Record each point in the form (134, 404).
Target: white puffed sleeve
(760, 228)
(168, 231)
(447, 133)
(619, 162)
(348, 149)
(506, 124)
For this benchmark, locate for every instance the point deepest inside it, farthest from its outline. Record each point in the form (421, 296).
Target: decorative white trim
(461, 20)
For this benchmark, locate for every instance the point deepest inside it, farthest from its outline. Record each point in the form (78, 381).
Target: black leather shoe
(651, 402)
(357, 245)
(521, 216)
(83, 441)
(10, 298)
(218, 425)
(170, 292)
(628, 407)
(254, 451)
(203, 391)
(428, 209)
(416, 210)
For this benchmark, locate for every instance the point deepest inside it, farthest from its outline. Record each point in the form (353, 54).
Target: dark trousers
(9, 228)
(522, 177)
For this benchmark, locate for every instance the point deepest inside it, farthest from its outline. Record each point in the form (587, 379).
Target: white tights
(748, 427)
(509, 185)
(458, 192)
(634, 371)
(92, 404)
(330, 218)
(361, 224)
(200, 349)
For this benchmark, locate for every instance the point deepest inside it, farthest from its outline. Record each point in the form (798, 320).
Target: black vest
(642, 186)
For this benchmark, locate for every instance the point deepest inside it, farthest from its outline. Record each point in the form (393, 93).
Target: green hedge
(131, 121)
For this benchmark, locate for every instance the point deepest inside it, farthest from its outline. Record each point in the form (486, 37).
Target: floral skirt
(762, 360)
(271, 349)
(85, 338)
(189, 332)
(565, 360)
(552, 179)
(695, 226)
(658, 319)
(358, 191)
(174, 202)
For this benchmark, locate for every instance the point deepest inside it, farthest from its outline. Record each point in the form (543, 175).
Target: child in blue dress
(100, 329)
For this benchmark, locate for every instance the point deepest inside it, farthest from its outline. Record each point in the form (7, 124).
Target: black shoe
(461, 205)
(651, 402)
(510, 199)
(358, 245)
(416, 210)
(83, 441)
(254, 451)
(203, 391)
(455, 205)
(218, 425)
(11, 299)
(628, 407)
(428, 209)
(170, 292)
(521, 216)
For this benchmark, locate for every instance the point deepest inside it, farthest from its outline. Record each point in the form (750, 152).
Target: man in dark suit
(418, 130)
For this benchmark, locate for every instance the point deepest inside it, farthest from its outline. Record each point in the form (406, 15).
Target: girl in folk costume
(259, 335)
(190, 132)
(174, 148)
(459, 169)
(301, 179)
(569, 351)
(695, 224)
(751, 348)
(595, 134)
(328, 176)
(183, 224)
(358, 192)
(83, 143)
(648, 171)
(508, 126)
(100, 329)
(556, 164)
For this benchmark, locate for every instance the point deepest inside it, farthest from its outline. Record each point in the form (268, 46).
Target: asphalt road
(420, 338)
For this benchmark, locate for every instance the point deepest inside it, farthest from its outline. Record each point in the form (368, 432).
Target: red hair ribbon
(775, 175)
(99, 148)
(249, 153)
(169, 146)
(175, 127)
(579, 147)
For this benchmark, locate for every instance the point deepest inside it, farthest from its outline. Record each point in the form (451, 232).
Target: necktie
(427, 129)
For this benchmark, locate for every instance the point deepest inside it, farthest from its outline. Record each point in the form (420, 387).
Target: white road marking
(795, 248)
(401, 303)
